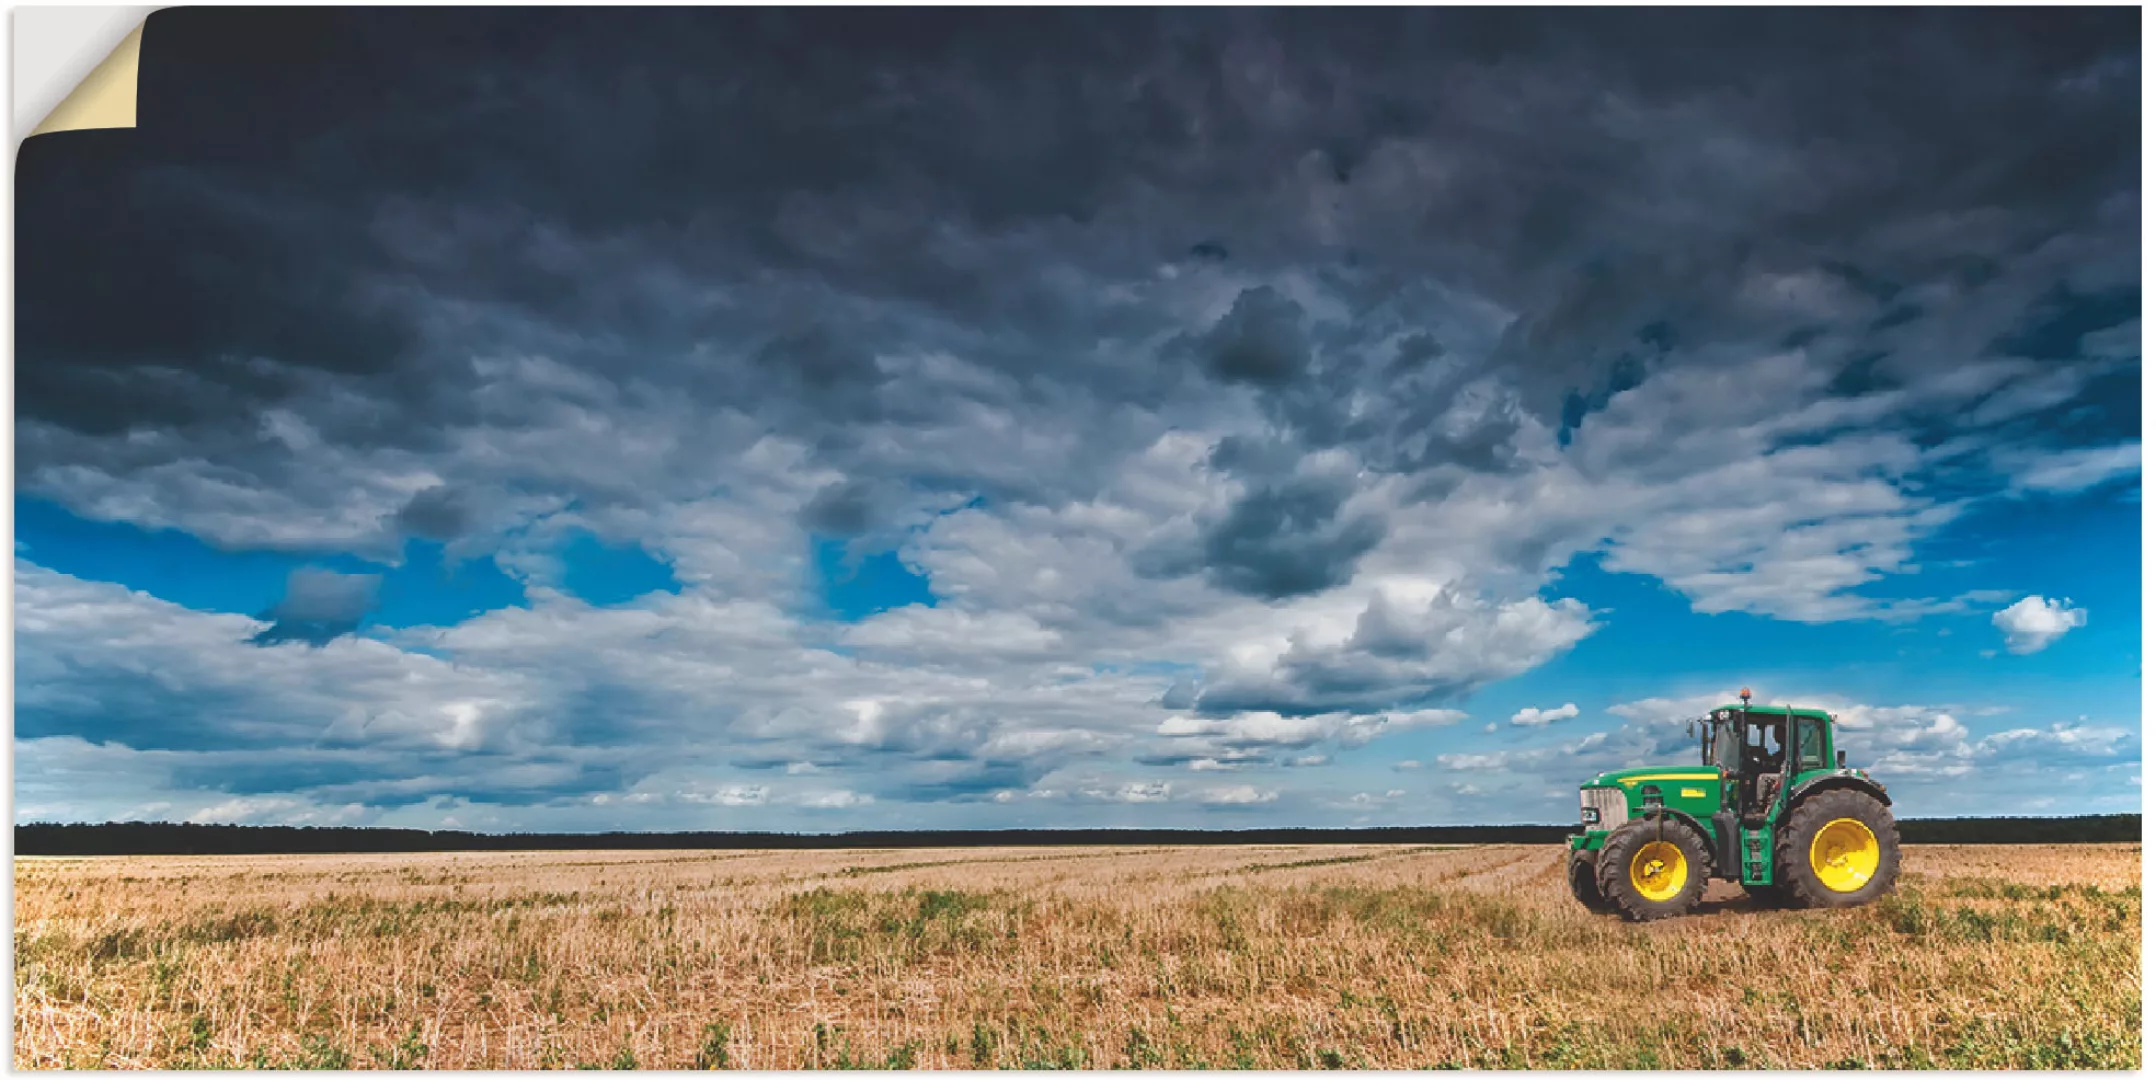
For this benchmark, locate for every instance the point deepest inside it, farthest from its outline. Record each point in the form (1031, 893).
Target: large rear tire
(1580, 872)
(1653, 868)
(1837, 849)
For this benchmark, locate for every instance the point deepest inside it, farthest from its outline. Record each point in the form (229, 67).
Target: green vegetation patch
(844, 925)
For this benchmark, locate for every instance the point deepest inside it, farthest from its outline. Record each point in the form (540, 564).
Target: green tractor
(1771, 806)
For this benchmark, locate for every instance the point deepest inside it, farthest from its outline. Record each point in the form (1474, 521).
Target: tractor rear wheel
(1837, 849)
(1653, 869)
(1580, 873)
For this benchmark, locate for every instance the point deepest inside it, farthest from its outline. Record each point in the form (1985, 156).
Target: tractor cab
(1757, 752)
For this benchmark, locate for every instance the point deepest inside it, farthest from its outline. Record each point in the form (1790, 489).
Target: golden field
(1200, 957)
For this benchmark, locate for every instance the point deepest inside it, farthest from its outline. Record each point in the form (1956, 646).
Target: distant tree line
(2089, 829)
(166, 838)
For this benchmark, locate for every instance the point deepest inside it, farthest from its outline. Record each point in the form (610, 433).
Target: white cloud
(1533, 717)
(1363, 658)
(1902, 727)
(2071, 470)
(1262, 728)
(2058, 742)
(1240, 795)
(833, 800)
(1499, 760)
(1151, 792)
(278, 810)
(1668, 711)
(1247, 737)
(732, 795)
(2032, 623)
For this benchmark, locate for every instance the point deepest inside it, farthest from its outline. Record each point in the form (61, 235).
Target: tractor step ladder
(1757, 863)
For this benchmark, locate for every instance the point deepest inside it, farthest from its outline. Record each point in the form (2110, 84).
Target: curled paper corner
(106, 97)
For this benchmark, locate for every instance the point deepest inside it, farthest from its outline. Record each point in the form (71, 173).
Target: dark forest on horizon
(164, 838)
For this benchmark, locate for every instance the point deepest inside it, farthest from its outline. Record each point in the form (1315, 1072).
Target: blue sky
(1366, 426)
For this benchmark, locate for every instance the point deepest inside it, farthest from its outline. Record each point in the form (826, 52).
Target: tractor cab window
(1762, 745)
(1811, 744)
(1725, 742)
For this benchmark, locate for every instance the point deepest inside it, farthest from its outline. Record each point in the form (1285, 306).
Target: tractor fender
(1833, 782)
(1682, 820)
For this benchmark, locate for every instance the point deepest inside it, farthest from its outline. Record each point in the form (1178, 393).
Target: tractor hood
(1631, 779)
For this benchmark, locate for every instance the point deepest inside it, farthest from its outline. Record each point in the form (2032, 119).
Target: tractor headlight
(1602, 808)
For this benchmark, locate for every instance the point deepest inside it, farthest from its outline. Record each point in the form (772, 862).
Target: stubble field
(1214, 957)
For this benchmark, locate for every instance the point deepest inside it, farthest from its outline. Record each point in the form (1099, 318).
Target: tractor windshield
(1724, 747)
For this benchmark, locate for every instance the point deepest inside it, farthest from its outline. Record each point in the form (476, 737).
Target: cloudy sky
(821, 420)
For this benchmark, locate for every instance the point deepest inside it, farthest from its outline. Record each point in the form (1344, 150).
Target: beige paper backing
(106, 97)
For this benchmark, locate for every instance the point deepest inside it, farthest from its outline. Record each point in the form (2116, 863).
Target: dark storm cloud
(575, 177)
(841, 509)
(1259, 341)
(1286, 534)
(994, 119)
(968, 782)
(384, 780)
(138, 708)
(1289, 539)
(319, 606)
(1182, 694)
(436, 513)
(2054, 328)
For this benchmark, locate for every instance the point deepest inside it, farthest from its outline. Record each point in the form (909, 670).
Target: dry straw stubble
(1210, 957)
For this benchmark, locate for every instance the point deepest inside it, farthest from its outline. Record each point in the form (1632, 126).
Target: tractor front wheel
(1653, 869)
(1580, 873)
(1837, 849)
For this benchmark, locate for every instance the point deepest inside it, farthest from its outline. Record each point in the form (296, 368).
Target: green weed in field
(714, 1053)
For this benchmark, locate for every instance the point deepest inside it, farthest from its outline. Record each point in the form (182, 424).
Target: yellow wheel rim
(1658, 870)
(1845, 854)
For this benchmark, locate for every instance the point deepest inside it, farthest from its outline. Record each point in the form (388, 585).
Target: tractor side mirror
(1841, 759)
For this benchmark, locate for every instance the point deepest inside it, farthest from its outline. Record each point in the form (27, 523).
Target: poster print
(1287, 539)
